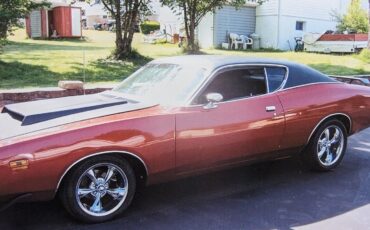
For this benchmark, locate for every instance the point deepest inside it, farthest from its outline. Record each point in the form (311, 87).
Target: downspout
(278, 27)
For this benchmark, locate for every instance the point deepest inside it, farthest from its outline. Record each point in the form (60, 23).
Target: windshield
(162, 83)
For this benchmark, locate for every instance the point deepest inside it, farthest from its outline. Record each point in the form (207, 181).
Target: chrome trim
(234, 100)
(267, 80)
(217, 70)
(213, 98)
(257, 96)
(97, 154)
(322, 120)
(308, 84)
(270, 108)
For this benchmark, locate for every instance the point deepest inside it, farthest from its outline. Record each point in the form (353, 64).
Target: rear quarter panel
(149, 134)
(306, 106)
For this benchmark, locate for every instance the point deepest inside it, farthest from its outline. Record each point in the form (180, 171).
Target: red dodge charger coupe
(174, 117)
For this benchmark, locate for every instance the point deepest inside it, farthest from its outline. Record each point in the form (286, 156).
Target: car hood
(23, 118)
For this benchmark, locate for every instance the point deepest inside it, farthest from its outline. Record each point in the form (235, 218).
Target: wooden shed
(56, 22)
(36, 24)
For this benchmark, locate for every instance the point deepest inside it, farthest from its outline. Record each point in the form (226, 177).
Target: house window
(299, 25)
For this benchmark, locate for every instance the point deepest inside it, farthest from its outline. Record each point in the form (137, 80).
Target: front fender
(150, 139)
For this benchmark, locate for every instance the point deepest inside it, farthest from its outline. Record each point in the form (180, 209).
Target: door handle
(270, 108)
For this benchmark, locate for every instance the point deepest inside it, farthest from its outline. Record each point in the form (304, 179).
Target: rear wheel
(327, 147)
(99, 189)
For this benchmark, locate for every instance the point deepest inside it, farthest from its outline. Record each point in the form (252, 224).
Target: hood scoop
(39, 111)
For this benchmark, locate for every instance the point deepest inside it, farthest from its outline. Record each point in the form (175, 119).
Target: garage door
(230, 20)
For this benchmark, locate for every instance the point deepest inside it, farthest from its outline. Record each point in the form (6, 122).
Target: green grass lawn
(34, 63)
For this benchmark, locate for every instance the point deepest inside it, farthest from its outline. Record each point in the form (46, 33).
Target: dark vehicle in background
(355, 80)
(110, 25)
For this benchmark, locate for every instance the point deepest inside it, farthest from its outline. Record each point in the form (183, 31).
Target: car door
(246, 124)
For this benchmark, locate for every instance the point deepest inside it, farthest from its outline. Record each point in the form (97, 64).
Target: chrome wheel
(101, 189)
(330, 145)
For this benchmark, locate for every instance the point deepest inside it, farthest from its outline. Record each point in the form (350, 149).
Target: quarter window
(235, 84)
(275, 76)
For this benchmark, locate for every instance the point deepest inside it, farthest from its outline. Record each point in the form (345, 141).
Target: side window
(235, 84)
(275, 76)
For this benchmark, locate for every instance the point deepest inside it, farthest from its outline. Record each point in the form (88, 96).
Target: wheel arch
(342, 117)
(138, 165)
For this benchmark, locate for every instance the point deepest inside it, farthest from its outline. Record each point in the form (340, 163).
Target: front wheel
(99, 189)
(327, 147)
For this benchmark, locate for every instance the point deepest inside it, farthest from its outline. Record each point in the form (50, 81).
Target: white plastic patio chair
(246, 41)
(235, 41)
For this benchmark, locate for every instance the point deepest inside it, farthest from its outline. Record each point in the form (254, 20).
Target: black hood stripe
(37, 117)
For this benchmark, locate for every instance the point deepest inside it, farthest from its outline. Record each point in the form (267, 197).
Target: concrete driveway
(278, 195)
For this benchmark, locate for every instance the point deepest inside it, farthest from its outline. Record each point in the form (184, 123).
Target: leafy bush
(365, 55)
(355, 20)
(12, 11)
(149, 26)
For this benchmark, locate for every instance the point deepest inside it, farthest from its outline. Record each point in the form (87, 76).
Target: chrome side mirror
(213, 98)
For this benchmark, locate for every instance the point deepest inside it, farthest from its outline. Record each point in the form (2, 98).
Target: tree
(126, 13)
(10, 13)
(193, 12)
(355, 20)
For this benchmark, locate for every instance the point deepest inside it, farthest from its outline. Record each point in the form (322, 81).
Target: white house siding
(169, 20)
(205, 31)
(321, 9)
(312, 9)
(267, 23)
(317, 16)
(270, 7)
(288, 31)
(230, 20)
(267, 29)
(276, 19)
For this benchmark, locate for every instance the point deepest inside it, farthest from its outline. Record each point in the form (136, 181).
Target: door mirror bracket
(212, 99)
